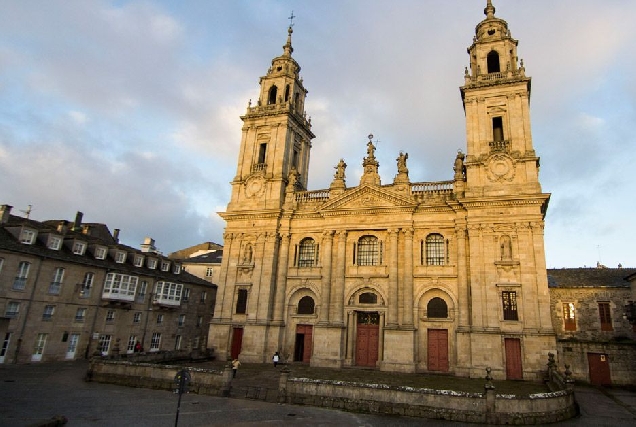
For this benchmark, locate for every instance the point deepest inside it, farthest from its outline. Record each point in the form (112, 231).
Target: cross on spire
(291, 19)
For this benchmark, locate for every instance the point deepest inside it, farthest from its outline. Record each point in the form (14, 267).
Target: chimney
(116, 235)
(5, 213)
(78, 221)
(148, 245)
(62, 227)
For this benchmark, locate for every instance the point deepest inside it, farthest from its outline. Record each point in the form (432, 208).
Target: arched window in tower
(286, 93)
(497, 129)
(493, 62)
(369, 251)
(435, 249)
(297, 102)
(271, 98)
(307, 253)
(368, 298)
(306, 305)
(437, 309)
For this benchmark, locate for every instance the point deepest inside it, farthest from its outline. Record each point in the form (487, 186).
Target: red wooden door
(514, 369)
(599, 369)
(302, 351)
(237, 342)
(307, 347)
(367, 345)
(438, 350)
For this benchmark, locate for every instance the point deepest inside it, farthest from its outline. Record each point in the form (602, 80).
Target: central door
(438, 350)
(237, 342)
(599, 369)
(302, 349)
(367, 339)
(514, 370)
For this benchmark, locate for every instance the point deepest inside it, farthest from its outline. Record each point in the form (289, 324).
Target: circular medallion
(500, 168)
(254, 187)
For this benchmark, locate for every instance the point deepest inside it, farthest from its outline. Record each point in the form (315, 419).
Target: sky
(129, 111)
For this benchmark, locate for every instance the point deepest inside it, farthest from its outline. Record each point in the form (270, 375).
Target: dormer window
(177, 269)
(55, 243)
(79, 248)
(165, 265)
(100, 252)
(120, 257)
(139, 260)
(27, 237)
(152, 263)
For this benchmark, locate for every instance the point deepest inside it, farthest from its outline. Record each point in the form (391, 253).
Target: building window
(139, 261)
(368, 298)
(509, 300)
(120, 284)
(155, 342)
(177, 269)
(87, 285)
(165, 265)
(143, 287)
(195, 343)
(569, 319)
(27, 237)
(435, 249)
(1, 264)
(437, 309)
(241, 301)
(38, 348)
(306, 305)
(492, 61)
(168, 292)
(130, 347)
(209, 272)
(21, 277)
(80, 315)
(199, 321)
(159, 319)
(12, 310)
(605, 316)
(307, 253)
(120, 257)
(369, 251)
(262, 152)
(137, 317)
(182, 318)
(48, 312)
(56, 283)
(100, 253)
(497, 129)
(186, 295)
(152, 264)
(104, 344)
(55, 243)
(204, 295)
(177, 342)
(79, 248)
(110, 316)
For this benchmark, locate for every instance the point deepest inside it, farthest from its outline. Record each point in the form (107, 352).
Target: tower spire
(489, 10)
(288, 49)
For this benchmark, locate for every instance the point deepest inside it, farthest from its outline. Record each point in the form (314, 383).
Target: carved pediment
(368, 197)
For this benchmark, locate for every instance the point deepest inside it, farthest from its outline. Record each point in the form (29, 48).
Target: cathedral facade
(444, 276)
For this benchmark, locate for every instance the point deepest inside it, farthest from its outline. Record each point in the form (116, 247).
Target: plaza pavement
(31, 394)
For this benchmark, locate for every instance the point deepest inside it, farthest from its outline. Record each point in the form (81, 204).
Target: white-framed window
(155, 342)
(87, 285)
(55, 243)
(186, 295)
(199, 321)
(21, 277)
(138, 261)
(159, 319)
(177, 342)
(48, 312)
(110, 316)
(104, 344)
(203, 296)
(56, 283)
(152, 263)
(79, 248)
(122, 284)
(209, 272)
(38, 348)
(137, 317)
(167, 291)
(120, 257)
(165, 265)
(13, 309)
(182, 318)
(177, 269)
(132, 340)
(27, 237)
(1, 264)
(195, 342)
(143, 288)
(100, 252)
(80, 314)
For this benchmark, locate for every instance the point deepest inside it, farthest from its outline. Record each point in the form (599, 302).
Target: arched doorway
(367, 338)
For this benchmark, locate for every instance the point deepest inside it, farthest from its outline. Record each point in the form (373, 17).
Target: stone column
(381, 338)
(325, 303)
(351, 318)
(407, 319)
(338, 294)
(281, 280)
(393, 279)
(463, 309)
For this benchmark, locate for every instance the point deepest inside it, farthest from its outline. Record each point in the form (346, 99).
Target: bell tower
(276, 138)
(496, 95)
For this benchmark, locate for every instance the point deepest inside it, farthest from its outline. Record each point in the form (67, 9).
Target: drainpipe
(97, 306)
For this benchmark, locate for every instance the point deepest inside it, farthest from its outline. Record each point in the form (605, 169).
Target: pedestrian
(235, 366)
(138, 347)
(275, 359)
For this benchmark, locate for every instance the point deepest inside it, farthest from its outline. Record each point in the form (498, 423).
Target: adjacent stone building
(70, 289)
(445, 276)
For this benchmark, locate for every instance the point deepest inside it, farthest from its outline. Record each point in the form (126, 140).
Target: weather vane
(291, 19)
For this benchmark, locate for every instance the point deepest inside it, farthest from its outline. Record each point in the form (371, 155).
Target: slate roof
(209, 258)
(589, 277)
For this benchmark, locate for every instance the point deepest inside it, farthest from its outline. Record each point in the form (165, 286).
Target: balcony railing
(499, 146)
(116, 295)
(432, 188)
(313, 196)
(259, 167)
(167, 302)
(55, 287)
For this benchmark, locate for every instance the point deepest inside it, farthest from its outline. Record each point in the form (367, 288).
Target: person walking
(235, 366)
(275, 359)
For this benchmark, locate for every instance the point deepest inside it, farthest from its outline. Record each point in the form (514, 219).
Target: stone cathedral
(444, 276)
